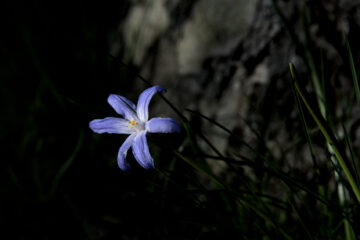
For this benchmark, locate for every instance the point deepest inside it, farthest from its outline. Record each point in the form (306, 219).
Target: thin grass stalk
(320, 96)
(353, 73)
(329, 138)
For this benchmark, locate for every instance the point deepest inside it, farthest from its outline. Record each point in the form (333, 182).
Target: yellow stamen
(132, 123)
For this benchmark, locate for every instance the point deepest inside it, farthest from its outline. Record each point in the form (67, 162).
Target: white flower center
(138, 126)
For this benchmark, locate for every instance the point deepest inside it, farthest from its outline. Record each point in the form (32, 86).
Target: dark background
(60, 180)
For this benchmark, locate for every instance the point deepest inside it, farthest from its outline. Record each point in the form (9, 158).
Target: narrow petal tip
(149, 166)
(124, 168)
(160, 88)
(93, 125)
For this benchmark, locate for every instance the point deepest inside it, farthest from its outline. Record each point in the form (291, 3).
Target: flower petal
(144, 100)
(123, 106)
(121, 159)
(141, 152)
(111, 125)
(162, 125)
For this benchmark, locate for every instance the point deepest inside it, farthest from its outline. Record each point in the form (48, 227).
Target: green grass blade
(353, 72)
(328, 136)
(354, 163)
(303, 121)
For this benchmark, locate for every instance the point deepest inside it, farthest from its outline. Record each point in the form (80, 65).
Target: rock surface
(229, 61)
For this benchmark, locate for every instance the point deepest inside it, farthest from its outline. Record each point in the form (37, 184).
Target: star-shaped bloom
(135, 123)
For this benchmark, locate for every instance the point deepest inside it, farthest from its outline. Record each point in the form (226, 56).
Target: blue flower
(135, 123)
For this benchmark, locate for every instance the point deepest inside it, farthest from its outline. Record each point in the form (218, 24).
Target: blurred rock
(143, 26)
(229, 60)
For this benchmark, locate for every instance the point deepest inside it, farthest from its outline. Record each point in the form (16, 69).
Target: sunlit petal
(162, 125)
(111, 125)
(123, 106)
(141, 152)
(144, 100)
(121, 159)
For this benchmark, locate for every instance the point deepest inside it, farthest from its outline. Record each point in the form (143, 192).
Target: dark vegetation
(59, 180)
